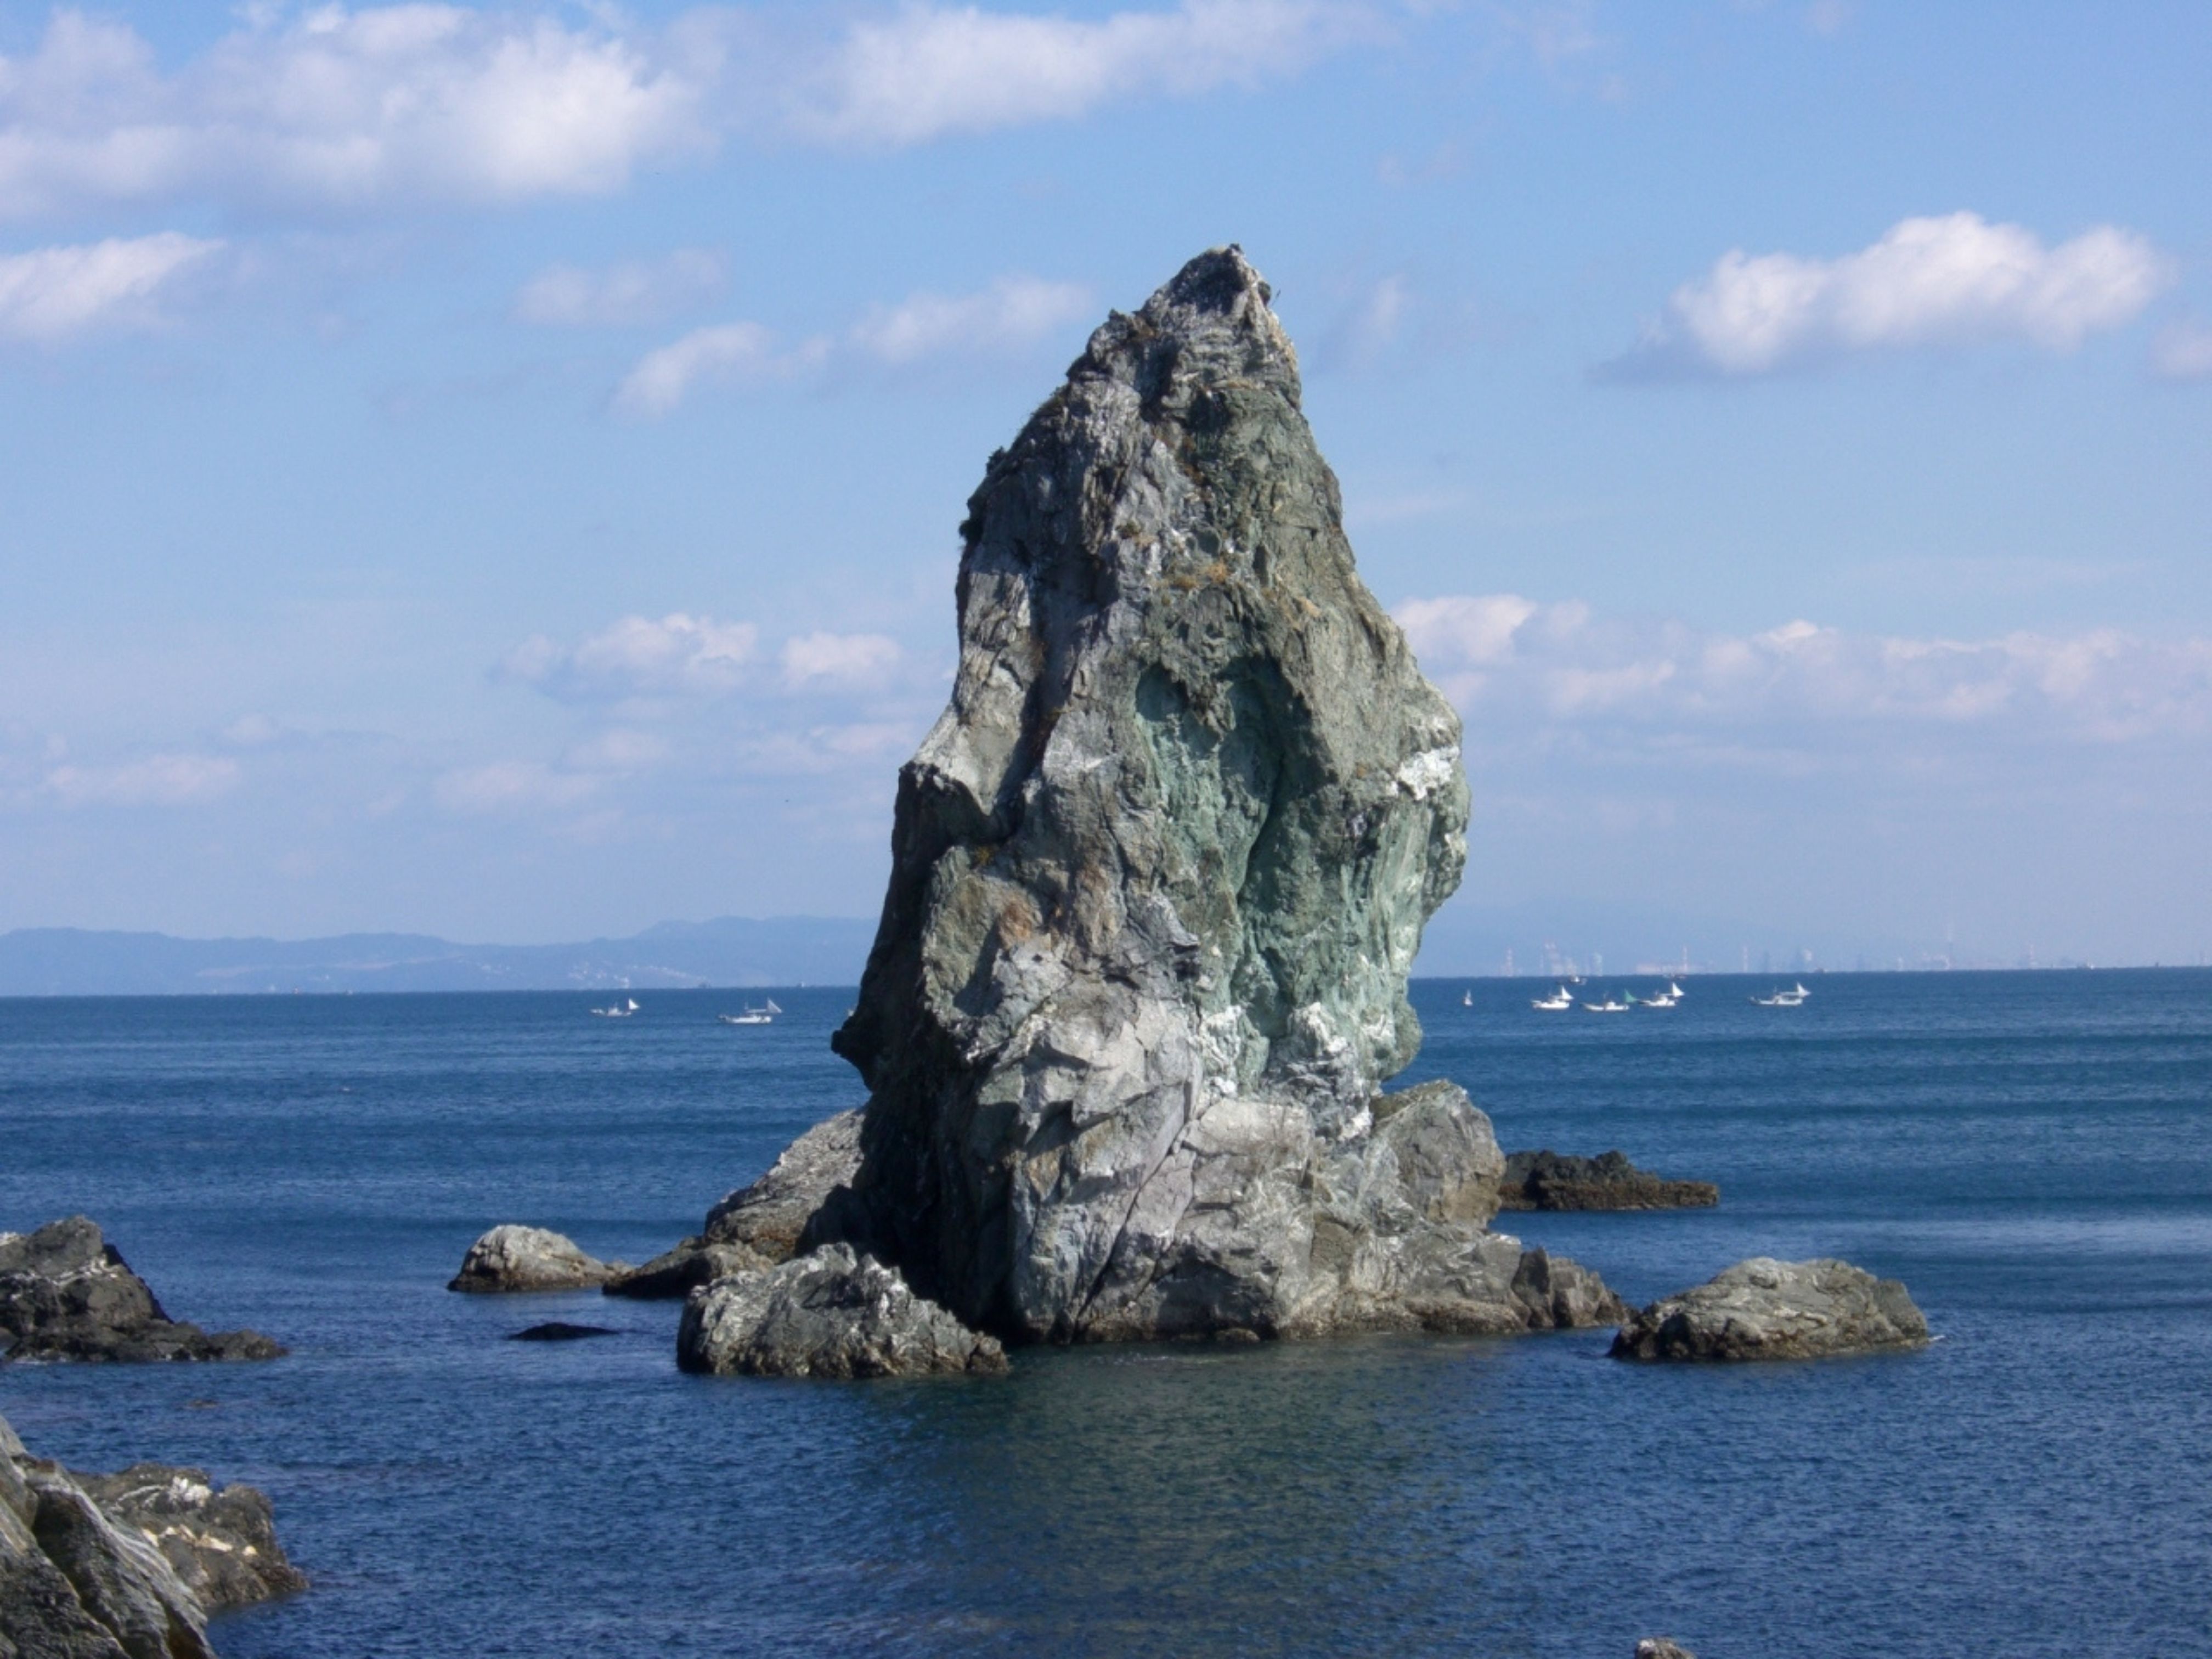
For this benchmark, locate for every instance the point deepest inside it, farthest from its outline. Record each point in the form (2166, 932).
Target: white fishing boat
(1610, 1006)
(1467, 1000)
(1783, 999)
(621, 1010)
(752, 1016)
(1664, 999)
(1557, 1002)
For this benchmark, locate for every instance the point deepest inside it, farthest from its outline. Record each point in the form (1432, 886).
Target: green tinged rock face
(1172, 845)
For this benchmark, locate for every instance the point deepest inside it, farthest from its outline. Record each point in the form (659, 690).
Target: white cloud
(638, 656)
(631, 292)
(726, 353)
(512, 787)
(53, 293)
(838, 659)
(2182, 351)
(1012, 313)
(1928, 282)
(926, 70)
(157, 781)
(341, 107)
(1513, 664)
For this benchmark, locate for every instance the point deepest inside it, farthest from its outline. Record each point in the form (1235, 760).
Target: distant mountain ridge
(729, 951)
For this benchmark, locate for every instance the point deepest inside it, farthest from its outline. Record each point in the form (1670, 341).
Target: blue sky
(496, 472)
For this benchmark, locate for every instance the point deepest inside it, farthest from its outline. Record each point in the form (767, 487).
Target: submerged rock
(1553, 1181)
(759, 1225)
(104, 1567)
(66, 1293)
(1159, 872)
(559, 1330)
(516, 1258)
(1763, 1308)
(830, 1314)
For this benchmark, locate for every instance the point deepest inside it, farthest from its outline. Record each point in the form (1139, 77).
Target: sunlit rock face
(1160, 871)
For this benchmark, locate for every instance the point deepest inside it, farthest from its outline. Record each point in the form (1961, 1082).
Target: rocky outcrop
(66, 1293)
(1659, 1647)
(830, 1313)
(1553, 1181)
(516, 1258)
(128, 1565)
(1159, 872)
(759, 1225)
(1763, 1308)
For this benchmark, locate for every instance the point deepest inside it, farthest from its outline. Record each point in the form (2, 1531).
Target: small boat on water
(752, 1016)
(1610, 1006)
(1466, 999)
(1794, 998)
(1557, 1002)
(621, 1010)
(1664, 999)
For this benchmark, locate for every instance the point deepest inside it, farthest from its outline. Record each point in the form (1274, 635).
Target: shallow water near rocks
(2030, 1152)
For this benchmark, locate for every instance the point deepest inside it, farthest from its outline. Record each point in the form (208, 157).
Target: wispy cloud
(637, 656)
(1929, 281)
(513, 786)
(1561, 664)
(926, 72)
(173, 779)
(1010, 315)
(2182, 351)
(848, 660)
(54, 294)
(623, 295)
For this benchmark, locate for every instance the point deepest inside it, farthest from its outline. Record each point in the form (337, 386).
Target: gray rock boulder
(66, 1293)
(830, 1314)
(759, 1225)
(1659, 1647)
(1763, 1308)
(1159, 872)
(516, 1258)
(130, 1565)
(1553, 1181)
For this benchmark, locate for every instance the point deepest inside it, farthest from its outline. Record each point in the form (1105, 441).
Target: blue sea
(2032, 1153)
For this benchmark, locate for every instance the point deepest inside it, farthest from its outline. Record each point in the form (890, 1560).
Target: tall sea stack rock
(1159, 873)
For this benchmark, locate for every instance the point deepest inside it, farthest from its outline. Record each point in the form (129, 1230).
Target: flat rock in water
(831, 1314)
(1552, 1180)
(128, 1565)
(516, 1258)
(559, 1330)
(66, 1293)
(759, 1225)
(1763, 1308)
(1159, 872)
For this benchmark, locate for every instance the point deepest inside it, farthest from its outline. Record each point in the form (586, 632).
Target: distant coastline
(730, 953)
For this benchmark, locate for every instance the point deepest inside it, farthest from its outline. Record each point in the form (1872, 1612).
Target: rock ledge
(65, 1293)
(1763, 1308)
(831, 1314)
(1554, 1180)
(511, 1257)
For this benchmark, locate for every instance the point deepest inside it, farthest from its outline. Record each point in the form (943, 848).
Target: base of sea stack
(1763, 1308)
(832, 1314)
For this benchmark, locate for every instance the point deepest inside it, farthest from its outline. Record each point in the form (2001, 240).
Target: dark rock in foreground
(128, 1565)
(759, 1225)
(65, 1293)
(559, 1330)
(516, 1258)
(1763, 1308)
(1159, 872)
(830, 1314)
(1553, 1181)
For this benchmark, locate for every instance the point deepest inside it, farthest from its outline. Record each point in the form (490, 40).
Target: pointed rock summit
(1159, 873)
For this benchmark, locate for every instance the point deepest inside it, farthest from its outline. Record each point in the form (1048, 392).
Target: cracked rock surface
(1555, 1181)
(128, 1565)
(1763, 1308)
(66, 1293)
(830, 1313)
(516, 1258)
(1159, 872)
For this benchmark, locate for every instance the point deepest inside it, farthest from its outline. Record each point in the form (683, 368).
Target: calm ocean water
(2031, 1153)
